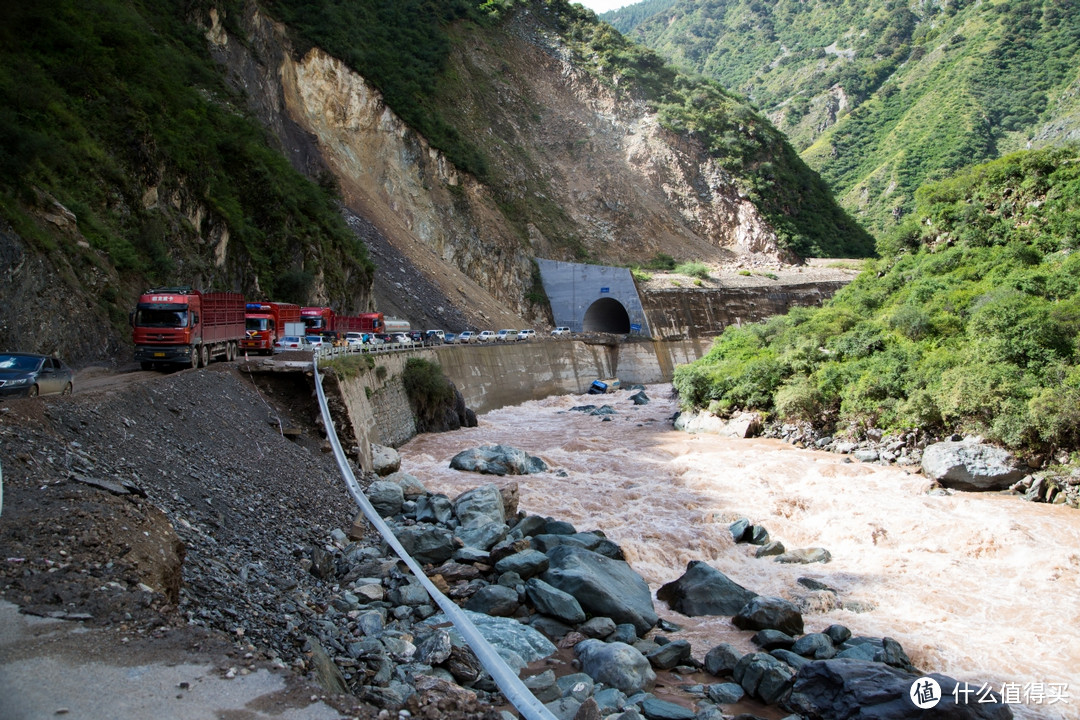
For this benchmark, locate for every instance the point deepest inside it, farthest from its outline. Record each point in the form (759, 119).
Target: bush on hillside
(968, 322)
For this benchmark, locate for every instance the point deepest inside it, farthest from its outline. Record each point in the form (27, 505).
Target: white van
(526, 335)
(560, 331)
(506, 335)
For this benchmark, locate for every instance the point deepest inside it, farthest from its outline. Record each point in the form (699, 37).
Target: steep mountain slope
(881, 96)
(533, 131)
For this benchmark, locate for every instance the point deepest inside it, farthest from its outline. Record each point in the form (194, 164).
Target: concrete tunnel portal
(606, 315)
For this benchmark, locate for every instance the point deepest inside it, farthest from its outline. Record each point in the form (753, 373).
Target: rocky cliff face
(578, 173)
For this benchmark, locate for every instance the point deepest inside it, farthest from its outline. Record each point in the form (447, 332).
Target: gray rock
(617, 665)
(861, 690)
(600, 627)
(550, 627)
(868, 455)
(411, 487)
(543, 686)
(770, 639)
(525, 564)
(576, 685)
(703, 590)
(739, 529)
(772, 548)
(529, 525)
(497, 460)
(892, 653)
(483, 537)
(428, 544)
(721, 660)
(968, 465)
(656, 709)
(557, 527)
(774, 613)
(516, 643)
(624, 633)
(610, 700)
(838, 634)
(814, 645)
(725, 693)
(602, 586)
(434, 509)
(384, 460)
(433, 648)
(763, 676)
(758, 535)
(479, 507)
(564, 708)
(805, 556)
(670, 655)
(794, 660)
(553, 602)
(494, 600)
(640, 398)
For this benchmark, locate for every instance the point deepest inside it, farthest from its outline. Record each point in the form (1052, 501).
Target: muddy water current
(982, 587)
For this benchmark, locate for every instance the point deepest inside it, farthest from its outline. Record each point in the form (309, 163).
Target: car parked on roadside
(401, 339)
(560, 331)
(289, 343)
(466, 337)
(526, 335)
(486, 336)
(30, 375)
(506, 336)
(434, 337)
(317, 342)
(449, 338)
(354, 340)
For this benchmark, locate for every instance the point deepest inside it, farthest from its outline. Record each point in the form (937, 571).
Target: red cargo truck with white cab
(265, 322)
(182, 326)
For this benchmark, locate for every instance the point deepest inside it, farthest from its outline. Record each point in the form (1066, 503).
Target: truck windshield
(170, 316)
(258, 323)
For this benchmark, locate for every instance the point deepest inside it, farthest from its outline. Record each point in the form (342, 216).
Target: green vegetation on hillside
(928, 87)
(103, 100)
(626, 18)
(969, 321)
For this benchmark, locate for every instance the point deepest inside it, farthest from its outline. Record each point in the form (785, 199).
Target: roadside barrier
(507, 680)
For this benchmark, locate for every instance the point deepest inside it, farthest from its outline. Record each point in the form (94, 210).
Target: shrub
(694, 269)
(430, 393)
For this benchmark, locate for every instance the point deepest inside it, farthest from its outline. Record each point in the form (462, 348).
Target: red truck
(182, 326)
(322, 319)
(265, 323)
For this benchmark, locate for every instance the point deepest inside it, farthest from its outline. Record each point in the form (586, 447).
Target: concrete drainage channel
(507, 680)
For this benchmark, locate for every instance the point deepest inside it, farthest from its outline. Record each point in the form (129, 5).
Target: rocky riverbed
(204, 502)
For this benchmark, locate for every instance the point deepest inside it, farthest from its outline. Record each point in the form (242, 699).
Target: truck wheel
(234, 350)
(194, 356)
(204, 355)
(228, 352)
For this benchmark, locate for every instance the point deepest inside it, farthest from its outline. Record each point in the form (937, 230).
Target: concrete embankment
(372, 407)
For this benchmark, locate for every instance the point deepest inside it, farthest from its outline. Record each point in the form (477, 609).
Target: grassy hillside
(969, 321)
(110, 105)
(404, 49)
(882, 96)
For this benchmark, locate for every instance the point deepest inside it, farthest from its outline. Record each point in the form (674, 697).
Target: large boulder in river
(770, 613)
(384, 460)
(516, 643)
(847, 689)
(480, 506)
(703, 590)
(968, 465)
(616, 664)
(603, 586)
(497, 460)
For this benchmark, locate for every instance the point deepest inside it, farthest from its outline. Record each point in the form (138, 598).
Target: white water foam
(982, 587)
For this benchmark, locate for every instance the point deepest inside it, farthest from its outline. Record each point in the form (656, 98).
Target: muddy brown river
(982, 587)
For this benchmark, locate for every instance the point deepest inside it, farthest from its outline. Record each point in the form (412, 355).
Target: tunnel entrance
(606, 315)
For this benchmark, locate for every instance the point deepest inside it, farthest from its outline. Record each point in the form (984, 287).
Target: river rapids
(982, 587)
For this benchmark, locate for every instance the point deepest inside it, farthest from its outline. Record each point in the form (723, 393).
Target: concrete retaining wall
(374, 408)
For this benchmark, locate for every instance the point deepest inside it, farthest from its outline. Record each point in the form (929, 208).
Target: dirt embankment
(172, 512)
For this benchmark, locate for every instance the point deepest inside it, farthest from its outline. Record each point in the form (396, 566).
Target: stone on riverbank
(860, 689)
(602, 586)
(703, 590)
(497, 460)
(967, 465)
(616, 664)
(774, 613)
